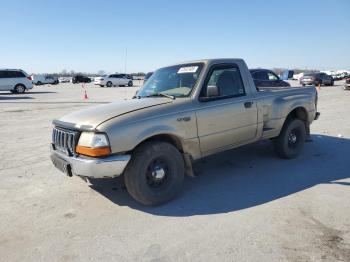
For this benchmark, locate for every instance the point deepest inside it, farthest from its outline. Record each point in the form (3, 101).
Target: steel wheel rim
(158, 173)
(293, 138)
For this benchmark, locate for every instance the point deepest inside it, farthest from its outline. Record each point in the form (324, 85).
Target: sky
(88, 36)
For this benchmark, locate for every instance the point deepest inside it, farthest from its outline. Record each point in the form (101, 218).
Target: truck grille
(64, 140)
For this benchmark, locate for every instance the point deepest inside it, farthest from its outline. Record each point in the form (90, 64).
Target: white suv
(15, 80)
(113, 80)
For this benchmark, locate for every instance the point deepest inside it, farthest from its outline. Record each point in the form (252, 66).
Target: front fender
(125, 137)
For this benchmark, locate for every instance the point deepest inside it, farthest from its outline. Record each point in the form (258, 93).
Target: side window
(9, 74)
(14, 74)
(272, 76)
(228, 80)
(20, 74)
(261, 75)
(2, 74)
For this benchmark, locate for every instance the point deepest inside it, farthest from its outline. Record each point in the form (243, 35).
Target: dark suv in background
(267, 78)
(81, 79)
(316, 79)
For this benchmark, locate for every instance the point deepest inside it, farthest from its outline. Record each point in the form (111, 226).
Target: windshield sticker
(188, 69)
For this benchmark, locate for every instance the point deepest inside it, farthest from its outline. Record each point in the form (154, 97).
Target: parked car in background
(81, 79)
(114, 80)
(316, 79)
(64, 79)
(147, 76)
(347, 83)
(287, 74)
(44, 79)
(267, 78)
(15, 80)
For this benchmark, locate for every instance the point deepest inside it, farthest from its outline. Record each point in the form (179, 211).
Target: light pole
(126, 57)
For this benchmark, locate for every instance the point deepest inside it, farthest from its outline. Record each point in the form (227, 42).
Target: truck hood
(89, 119)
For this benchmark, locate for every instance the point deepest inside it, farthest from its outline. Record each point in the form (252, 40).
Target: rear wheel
(291, 139)
(130, 83)
(155, 173)
(20, 89)
(109, 84)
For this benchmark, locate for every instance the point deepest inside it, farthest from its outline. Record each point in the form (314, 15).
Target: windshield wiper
(161, 94)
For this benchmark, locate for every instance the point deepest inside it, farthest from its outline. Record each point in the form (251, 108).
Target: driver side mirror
(212, 91)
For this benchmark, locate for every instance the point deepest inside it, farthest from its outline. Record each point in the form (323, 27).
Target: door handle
(248, 104)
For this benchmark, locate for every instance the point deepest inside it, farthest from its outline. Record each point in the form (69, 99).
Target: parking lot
(243, 205)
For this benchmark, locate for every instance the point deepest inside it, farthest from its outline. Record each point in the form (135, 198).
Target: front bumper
(107, 167)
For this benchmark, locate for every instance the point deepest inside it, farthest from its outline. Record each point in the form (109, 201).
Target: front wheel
(130, 83)
(155, 173)
(109, 84)
(291, 140)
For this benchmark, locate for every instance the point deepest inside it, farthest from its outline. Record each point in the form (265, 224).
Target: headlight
(92, 144)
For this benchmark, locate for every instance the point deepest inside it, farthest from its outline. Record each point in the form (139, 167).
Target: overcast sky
(87, 36)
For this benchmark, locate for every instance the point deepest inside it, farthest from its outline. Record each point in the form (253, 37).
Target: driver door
(229, 118)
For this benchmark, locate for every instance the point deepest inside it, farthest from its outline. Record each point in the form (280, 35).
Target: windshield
(176, 81)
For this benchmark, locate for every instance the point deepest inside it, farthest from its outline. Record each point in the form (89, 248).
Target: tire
(291, 140)
(20, 89)
(140, 174)
(101, 85)
(109, 84)
(39, 83)
(130, 83)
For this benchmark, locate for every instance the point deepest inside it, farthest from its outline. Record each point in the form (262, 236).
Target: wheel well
(299, 113)
(175, 141)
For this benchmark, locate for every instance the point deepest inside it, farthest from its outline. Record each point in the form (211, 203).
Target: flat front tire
(155, 173)
(291, 140)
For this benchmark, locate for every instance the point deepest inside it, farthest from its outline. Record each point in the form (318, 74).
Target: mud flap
(188, 165)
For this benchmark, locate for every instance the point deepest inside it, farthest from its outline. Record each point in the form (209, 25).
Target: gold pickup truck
(183, 112)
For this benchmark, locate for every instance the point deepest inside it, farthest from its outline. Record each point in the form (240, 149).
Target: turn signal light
(95, 152)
